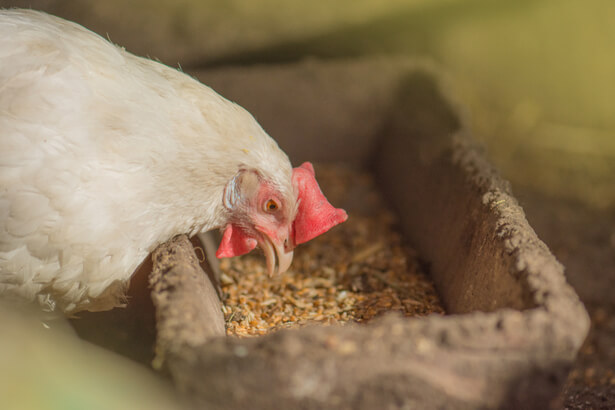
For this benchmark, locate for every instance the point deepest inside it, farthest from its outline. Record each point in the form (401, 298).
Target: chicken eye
(271, 206)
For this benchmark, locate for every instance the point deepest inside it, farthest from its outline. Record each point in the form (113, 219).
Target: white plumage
(105, 155)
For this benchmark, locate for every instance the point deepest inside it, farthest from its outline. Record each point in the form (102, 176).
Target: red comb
(315, 215)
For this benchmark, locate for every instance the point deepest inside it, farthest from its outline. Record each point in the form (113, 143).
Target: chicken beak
(284, 256)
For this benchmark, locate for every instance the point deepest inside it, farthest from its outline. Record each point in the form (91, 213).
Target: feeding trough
(513, 324)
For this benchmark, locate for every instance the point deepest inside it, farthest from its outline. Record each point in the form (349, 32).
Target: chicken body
(105, 155)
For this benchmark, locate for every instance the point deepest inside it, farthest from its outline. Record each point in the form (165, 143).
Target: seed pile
(353, 273)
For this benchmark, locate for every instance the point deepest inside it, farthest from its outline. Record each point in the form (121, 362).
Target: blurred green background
(537, 77)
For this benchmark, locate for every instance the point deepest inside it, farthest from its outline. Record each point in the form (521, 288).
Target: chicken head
(261, 215)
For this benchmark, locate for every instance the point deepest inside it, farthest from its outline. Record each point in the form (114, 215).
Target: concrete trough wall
(514, 325)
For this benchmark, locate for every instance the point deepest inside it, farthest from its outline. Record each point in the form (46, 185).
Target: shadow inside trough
(414, 168)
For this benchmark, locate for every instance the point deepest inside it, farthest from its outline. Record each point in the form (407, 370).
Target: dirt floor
(584, 241)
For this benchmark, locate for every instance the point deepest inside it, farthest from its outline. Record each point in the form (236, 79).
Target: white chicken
(104, 155)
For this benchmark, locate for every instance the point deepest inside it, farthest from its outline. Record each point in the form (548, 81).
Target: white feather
(103, 156)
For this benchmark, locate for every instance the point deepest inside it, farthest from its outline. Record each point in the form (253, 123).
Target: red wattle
(235, 243)
(315, 215)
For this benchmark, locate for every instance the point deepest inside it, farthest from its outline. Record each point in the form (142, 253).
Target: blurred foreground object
(45, 366)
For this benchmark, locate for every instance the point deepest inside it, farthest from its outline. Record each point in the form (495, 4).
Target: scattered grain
(355, 272)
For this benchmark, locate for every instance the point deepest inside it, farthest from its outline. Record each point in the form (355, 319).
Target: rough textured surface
(482, 254)
(583, 239)
(187, 306)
